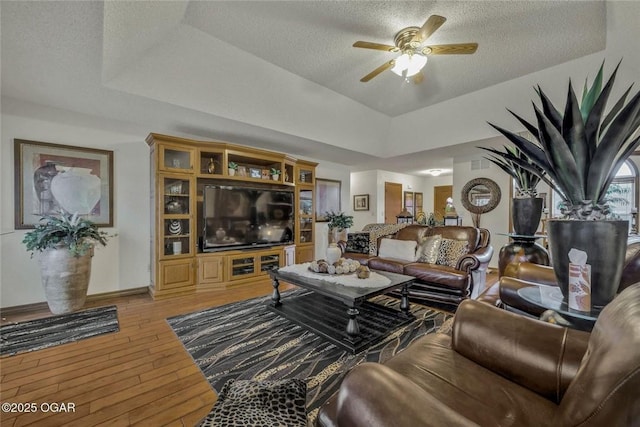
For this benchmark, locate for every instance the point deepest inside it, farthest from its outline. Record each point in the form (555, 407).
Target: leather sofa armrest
(531, 272)
(508, 292)
(474, 260)
(373, 395)
(539, 356)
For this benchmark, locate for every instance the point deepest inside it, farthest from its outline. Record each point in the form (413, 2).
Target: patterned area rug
(51, 331)
(245, 340)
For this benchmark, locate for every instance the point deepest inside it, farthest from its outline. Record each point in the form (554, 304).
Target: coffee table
(359, 326)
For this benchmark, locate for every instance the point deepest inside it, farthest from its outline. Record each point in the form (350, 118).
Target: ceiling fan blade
(452, 49)
(430, 26)
(378, 70)
(376, 46)
(418, 78)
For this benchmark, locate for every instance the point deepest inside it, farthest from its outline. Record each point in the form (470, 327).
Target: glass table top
(550, 297)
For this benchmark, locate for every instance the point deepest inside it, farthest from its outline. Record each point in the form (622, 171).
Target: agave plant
(70, 231)
(581, 149)
(527, 179)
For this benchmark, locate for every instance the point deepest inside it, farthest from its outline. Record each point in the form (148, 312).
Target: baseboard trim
(39, 306)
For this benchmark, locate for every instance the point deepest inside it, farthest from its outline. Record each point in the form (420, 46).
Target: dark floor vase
(605, 243)
(526, 214)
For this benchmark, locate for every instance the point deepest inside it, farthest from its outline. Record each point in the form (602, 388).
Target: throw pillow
(450, 251)
(399, 249)
(357, 243)
(279, 403)
(429, 249)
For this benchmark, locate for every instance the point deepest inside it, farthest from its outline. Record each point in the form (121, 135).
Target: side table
(551, 298)
(521, 249)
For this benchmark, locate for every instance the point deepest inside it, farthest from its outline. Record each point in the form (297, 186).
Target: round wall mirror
(480, 195)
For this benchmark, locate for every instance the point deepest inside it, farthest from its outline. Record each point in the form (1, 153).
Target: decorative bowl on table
(342, 266)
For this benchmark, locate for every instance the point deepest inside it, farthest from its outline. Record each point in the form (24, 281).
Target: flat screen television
(238, 217)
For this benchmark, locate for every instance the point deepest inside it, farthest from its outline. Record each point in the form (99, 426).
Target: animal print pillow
(429, 249)
(280, 403)
(451, 250)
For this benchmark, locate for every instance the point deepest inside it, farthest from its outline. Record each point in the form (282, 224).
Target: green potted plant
(526, 206)
(232, 166)
(65, 244)
(339, 222)
(580, 150)
(275, 174)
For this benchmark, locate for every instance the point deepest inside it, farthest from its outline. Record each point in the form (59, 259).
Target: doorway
(440, 195)
(392, 201)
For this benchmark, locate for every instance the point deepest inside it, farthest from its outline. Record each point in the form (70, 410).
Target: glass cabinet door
(305, 176)
(176, 159)
(305, 216)
(269, 261)
(176, 216)
(241, 266)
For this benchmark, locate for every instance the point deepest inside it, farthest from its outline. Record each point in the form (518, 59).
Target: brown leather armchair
(503, 369)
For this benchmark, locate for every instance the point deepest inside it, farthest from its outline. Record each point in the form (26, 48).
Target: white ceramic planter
(65, 279)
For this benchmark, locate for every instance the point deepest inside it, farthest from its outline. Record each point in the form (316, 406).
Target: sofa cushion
(451, 250)
(429, 249)
(398, 249)
(387, 264)
(412, 232)
(470, 234)
(439, 274)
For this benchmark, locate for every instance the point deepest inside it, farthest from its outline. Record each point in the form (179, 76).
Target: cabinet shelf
(176, 236)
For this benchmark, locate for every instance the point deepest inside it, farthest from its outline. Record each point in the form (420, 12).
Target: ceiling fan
(409, 42)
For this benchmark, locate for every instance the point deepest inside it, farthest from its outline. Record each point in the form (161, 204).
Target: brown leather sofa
(505, 292)
(439, 283)
(503, 369)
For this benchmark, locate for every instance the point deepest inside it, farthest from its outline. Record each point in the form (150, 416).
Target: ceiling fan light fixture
(409, 64)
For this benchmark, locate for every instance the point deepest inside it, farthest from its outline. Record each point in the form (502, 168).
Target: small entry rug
(246, 341)
(38, 334)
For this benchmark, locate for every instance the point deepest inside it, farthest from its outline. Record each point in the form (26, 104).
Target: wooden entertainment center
(180, 170)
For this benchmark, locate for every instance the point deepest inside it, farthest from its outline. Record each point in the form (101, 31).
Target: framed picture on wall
(327, 197)
(53, 177)
(361, 202)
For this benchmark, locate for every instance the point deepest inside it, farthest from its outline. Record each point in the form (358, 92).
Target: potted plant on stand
(526, 206)
(581, 150)
(66, 246)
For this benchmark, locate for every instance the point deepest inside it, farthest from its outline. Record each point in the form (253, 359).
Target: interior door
(440, 195)
(392, 201)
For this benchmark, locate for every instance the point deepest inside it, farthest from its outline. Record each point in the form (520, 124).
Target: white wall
(372, 183)
(328, 170)
(123, 263)
(365, 183)
(496, 221)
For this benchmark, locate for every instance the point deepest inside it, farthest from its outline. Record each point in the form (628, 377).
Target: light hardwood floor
(141, 375)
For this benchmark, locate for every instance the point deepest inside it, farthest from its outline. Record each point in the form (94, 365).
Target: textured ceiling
(314, 40)
(283, 75)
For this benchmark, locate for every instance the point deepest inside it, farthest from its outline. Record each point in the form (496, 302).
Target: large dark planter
(605, 243)
(526, 214)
